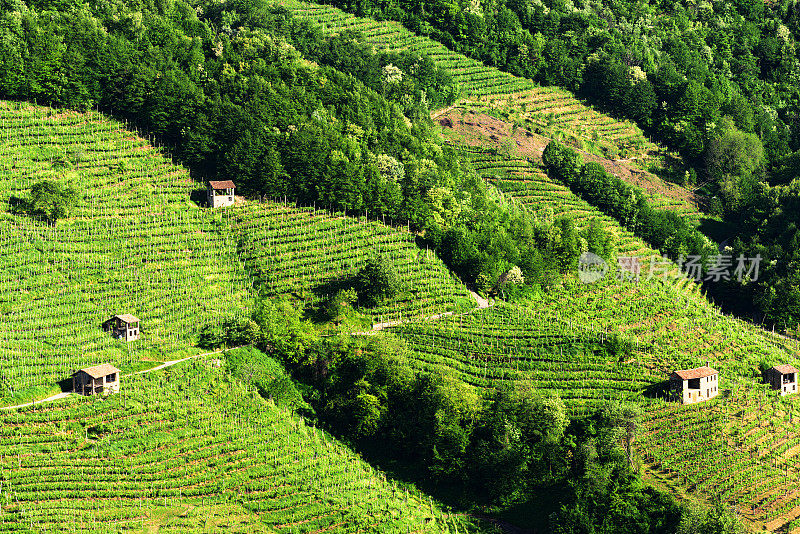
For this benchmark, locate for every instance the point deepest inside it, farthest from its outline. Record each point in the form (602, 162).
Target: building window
(111, 378)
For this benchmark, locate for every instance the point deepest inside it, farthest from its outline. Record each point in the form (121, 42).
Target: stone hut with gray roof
(694, 385)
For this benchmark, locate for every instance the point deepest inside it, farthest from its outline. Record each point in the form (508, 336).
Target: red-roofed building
(694, 385)
(783, 379)
(220, 193)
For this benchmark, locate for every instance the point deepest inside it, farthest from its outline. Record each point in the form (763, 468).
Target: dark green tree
(50, 201)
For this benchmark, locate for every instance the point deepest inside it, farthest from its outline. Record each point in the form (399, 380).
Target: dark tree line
(662, 229)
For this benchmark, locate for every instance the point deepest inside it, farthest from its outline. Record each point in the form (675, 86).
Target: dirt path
(377, 327)
(164, 365)
(173, 362)
(482, 302)
(48, 399)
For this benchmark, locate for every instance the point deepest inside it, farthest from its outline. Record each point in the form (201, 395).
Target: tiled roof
(700, 372)
(99, 370)
(222, 184)
(785, 369)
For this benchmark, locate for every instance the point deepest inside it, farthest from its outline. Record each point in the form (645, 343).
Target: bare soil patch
(481, 130)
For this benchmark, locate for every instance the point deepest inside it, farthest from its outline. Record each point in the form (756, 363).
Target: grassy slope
(187, 450)
(183, 449)
(740, 445)
(137, 244)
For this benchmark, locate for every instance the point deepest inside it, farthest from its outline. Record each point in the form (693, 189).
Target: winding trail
(377, 327)
(173, 362)
(65, 394)
(57, 396)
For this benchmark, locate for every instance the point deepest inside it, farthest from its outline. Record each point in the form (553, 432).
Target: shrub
(377, 281)
(50, 201)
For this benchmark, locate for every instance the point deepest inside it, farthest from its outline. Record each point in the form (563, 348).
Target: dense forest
(717, 81)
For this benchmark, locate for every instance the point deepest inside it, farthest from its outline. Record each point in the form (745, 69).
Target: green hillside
(743, 441)
(557, 393)
(511, 345)
(189, 450)
(137, 243)
(551, 108)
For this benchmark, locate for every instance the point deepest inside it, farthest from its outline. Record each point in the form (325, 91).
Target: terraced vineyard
(294, 249)
(508, 344)
(138, 244)
(530, 185)
(682, 330)
(551, 108)
(188, 450)
(749, 444)
(503, 149)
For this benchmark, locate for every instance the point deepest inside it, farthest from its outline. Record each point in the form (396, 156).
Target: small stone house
(694, 385)
(124, 327)
(783, 379)
(220, 193)
(103, 378)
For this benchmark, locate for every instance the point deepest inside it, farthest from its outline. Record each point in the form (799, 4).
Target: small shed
(103, 378)
(220, 193)
(694, 385)
(124, 327)
(783, 379)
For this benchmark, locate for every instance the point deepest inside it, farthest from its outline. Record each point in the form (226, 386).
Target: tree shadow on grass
(659, 390)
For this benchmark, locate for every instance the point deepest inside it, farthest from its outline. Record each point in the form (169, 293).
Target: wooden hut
(783, 379)
(694, 385)
(220, 193)
(124, 327)
(103, 378)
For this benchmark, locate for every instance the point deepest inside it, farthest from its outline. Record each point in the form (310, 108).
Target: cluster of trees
(265, 375)
(676, 67)
(496, 447)
(663, 229)
(494, 235)
(772, 234)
